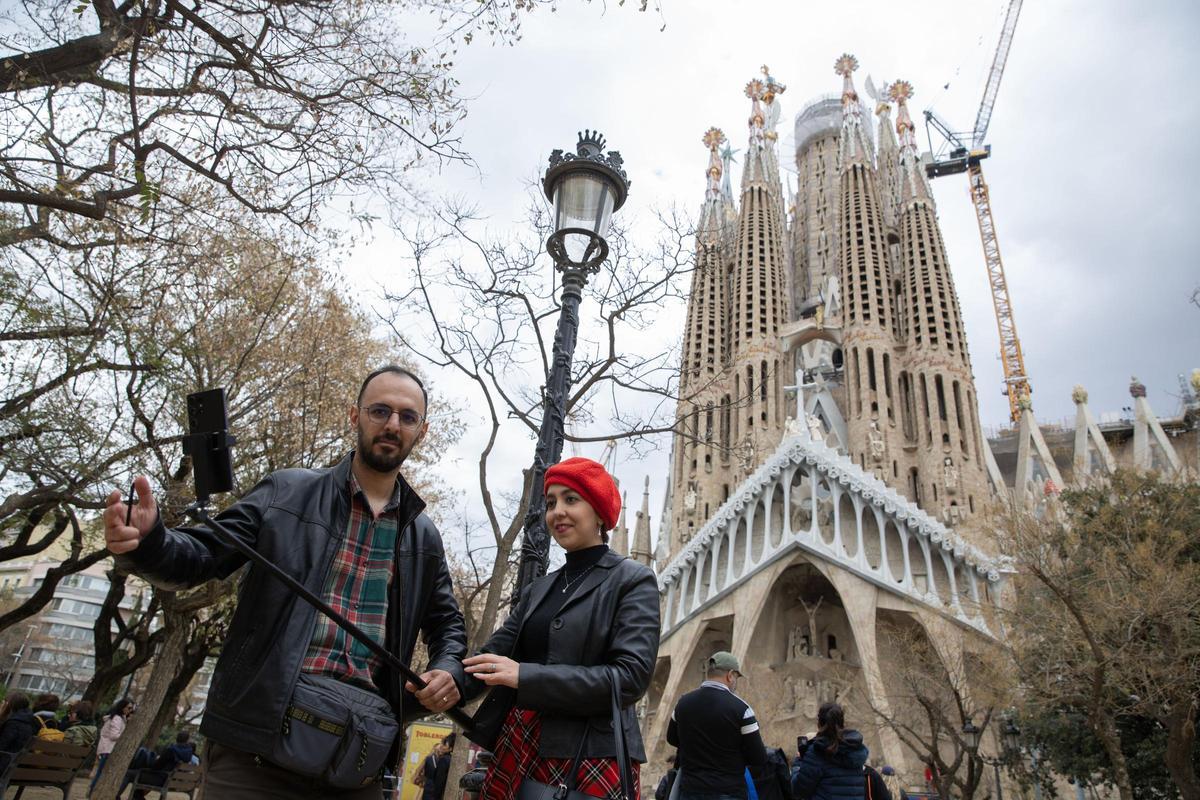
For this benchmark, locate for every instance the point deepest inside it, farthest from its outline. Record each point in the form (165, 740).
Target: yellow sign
(422, 736)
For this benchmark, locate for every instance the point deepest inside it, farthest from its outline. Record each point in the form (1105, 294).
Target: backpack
(47, 733)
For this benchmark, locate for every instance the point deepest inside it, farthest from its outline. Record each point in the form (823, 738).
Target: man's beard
(381, 462)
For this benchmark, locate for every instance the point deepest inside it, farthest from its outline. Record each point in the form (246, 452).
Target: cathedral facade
(829, 470)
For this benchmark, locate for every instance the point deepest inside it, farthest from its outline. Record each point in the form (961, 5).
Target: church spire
(639, 548)
(855, 145)
(889, 154)
(762, 165)
(913, 184)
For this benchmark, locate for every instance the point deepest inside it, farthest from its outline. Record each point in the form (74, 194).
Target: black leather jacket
(297, 518)
(611, 621)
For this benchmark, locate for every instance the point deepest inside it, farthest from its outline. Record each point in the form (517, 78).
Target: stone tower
(701, 447)
(868, 312)
(758, 290)
(939, 413)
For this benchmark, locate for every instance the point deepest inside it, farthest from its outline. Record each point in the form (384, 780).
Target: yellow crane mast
(967, 158)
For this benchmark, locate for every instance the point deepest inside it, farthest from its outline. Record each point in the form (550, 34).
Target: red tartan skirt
(516, 758)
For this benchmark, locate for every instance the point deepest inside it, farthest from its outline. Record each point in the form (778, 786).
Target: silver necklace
(575, 580)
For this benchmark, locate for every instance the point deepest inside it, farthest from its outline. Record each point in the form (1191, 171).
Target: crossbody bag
(334, 732)
(536, 790)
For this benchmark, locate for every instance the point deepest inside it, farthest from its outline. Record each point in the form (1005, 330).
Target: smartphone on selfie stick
(208, 443)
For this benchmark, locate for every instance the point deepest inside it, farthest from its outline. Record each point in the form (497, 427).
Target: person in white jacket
(110, 732)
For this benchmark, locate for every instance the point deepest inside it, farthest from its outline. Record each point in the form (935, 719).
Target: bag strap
(622, 752)
(572, 779)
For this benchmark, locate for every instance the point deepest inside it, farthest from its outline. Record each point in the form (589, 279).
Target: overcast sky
(1093, 175)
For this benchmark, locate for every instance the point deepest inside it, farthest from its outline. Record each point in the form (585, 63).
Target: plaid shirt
(357, 588)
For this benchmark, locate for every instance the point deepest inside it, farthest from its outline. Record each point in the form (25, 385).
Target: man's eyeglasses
(380, 413)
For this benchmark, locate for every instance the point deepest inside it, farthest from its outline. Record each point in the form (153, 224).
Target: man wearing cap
(717, 735)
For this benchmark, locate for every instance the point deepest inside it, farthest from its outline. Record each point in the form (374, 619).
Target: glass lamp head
(586, 187)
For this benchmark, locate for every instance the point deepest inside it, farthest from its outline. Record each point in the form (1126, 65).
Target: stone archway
(789, 671)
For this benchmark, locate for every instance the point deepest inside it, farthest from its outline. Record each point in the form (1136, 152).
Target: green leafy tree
(1106, 622)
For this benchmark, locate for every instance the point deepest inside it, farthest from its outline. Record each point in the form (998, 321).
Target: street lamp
(1010, 742)
(586, 187)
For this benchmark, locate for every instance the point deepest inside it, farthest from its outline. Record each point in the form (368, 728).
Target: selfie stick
(210, 459)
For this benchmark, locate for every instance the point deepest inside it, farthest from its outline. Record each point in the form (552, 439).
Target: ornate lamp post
(586, 187)
(1010, 742)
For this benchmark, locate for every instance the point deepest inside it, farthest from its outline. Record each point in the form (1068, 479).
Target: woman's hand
(494, 670)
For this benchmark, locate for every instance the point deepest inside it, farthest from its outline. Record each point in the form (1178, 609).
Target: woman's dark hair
(831, 720)
(119, 707)
(16, 701)
(83, 710)
(47, 702)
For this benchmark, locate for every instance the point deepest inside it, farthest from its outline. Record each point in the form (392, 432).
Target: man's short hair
(182, 737)
(395, 369)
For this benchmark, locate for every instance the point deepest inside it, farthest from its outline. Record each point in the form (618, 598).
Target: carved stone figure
(689, 499)
(876, 443)
(812, 617)
(1079, 394)
(787, 702)
(949, 476)
(793, 643)
(816, 428)
(771, 110)
(809, 701)
(791, 427)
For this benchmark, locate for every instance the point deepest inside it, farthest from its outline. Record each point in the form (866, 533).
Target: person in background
(831, 765)
(472, 782)
(45, 708)
(110, 731)
(663, 791)
(892, 781)
(16, 728)
(773, 779)
(155, 769)
(435, 780)
(717, 735)
(78, 726)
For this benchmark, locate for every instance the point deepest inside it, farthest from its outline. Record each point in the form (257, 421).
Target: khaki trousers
(231, 774)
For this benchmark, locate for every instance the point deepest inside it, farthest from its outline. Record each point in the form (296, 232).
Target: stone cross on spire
(913, 184)
(755, 90)
(855, 145)
(713, 139)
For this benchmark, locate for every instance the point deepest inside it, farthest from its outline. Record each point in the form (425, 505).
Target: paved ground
(78, 792)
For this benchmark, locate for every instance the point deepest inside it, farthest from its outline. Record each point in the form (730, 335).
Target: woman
(114, 726)
(17, 728)
(79, 727)
(831, 766)
(551, 664)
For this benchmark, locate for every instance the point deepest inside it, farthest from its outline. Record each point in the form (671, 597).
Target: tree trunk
(190, 663)
(165, 667)
(1181, 742)
(458, 765)
(1110, 739)
(491, 607)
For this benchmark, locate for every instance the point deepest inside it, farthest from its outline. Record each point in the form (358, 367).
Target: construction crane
(965, 154)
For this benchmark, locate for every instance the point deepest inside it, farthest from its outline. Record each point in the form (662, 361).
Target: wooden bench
(184, 778)
(44, 763)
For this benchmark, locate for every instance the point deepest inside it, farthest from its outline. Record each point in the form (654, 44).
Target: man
(354, 534)
(716, 735)
(437, 769)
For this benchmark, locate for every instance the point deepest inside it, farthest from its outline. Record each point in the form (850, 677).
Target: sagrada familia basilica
(830, 472)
